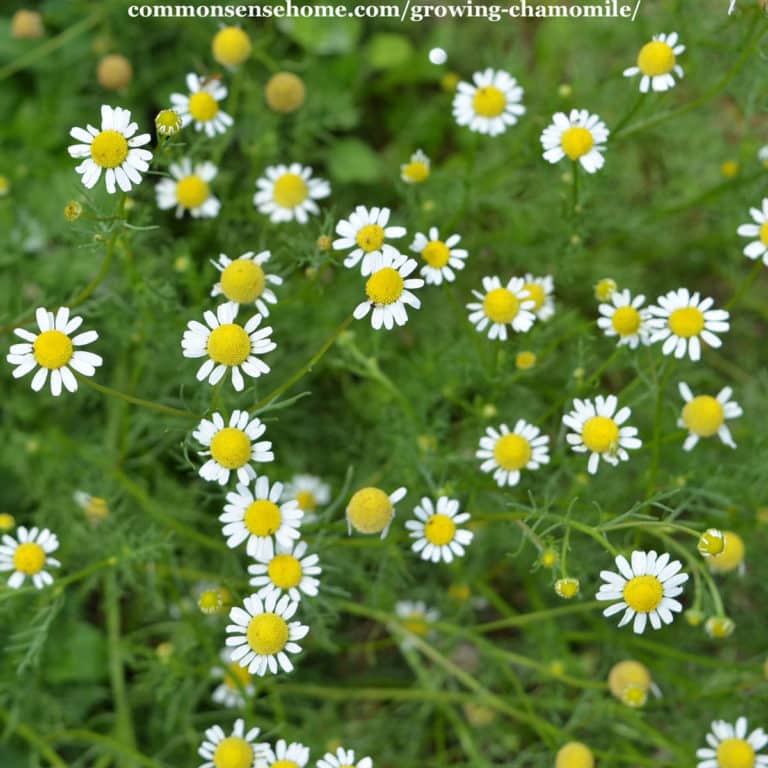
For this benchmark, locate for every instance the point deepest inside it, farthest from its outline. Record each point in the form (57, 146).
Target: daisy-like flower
(501, 306)
(290, 569)
(238, 750)
(258, 516)
(541, 290)
(28, 556)
(114, 149)
(416, 170)
(506, 452)
(366, 232)
(579, 136)
(244, 281)
(371, 510)
(288, 192)
(683, 320)
(344, 758)
(704, 415)
(731, 557)
(417, 618)
(236, 683)
(189, 189)
(201, 105)
(490, 104)
(228, 346)
(436, 530)
(732, 746)
(656, 62)
(597, 427)
(757, 249)
(309, 492)
(53, 351)
(626, 318)
(284, 755)
(262, 635)
(441, 257)
(645, 589)
(232, 447)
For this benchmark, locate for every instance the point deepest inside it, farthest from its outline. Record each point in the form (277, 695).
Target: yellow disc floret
(229, 344)
(384, 286)
(285, 92)
(192, 191)
(764, 233)
(703, 415)
(114, 72)
(231, 448)
(285, 764)
(489, 101)
(575, 755)
(231, 46)
(525, 360)
(735, 753)
(210, 601)
(290, 190)
(26, 25)
(233, 752)
(52, 349)
(262, 518)
(243, 281)
(306, 501)
(629, 682)
(537, 294)
(416, 624)
(732, 555)
(109, 149)
(29, 558)
(643, 593)
(626, 321)
(436, 253)
(656, 58)
(235, 674)
(439, 529)
(370, 510)
(567, 588)
(203, 107)
(284, 571)
(168, 122)
(7, 521)
(370, 237)
(512, 452)
(416, 171)
(605, 288)
(267, 634)
(686, 322)
(576, 142)
(712, 542)
(501, 305)
(600, 434)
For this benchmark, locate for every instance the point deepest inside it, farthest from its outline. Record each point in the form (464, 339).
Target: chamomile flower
(441, 257)
(731, 557)
(625, 317)
(228, 346)
(366, 232)
(416, 170)
(683, 321)
(541, 290)
(54, 350)
(757, 249)
(238, 750)
(189, 189)
(201, 105)
(501, 306)
(288, 193)
(574, 754)
(416, 617)
(630, 681)
(232, 447)
(244, 281)
(732, 746)
(597, 427)
(644, 589)
(258, 516)
(28, 556)
(263, 634)
(505, 452)
(290, 569)
(114, 149)
(490, 104)
(309, 492)
(371, 510)
(344, 758)
(656, 62)
(704, 415)
(284, 755)
(389, 290)
(436, 530)
(236, 683)
(579, 136)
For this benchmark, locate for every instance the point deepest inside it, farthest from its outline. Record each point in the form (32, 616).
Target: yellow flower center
(720, 627)
(168, 122)
(735, 753)
(711, 542)
(634, 696)
(417, 625)
(6, 521)
(512, 452)
(436, 253)
(229, 344)
(567, 588)
(243, 281)
(109, 149)
(210, 601)
(231, 46)
(53, 349)
(703, 415)
(370, 237)
(231, 448)
(626, 321)
(236, 674)
(233, 752)
(605, 288)
(732, 555)
(29, 558)
(575, 755)
(628, 674)
(489, 101)
(263, 518)
(416, 171)
(306, 501)
(525, 360)
(686, 322)
(192, 191)
(537, 293)
(285, 571)
(764, 233)
(384, 286)
(501, 305)
(203, 107)
(643, 593)
(656, 58)
(96, 508)
(290, 190)
(370, 510)
(600, 434)
(267, 634)
(285, 764)
(439, 529)
(576, 142)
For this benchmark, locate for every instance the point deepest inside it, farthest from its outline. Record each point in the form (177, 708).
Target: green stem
(744, 287)
(657, 425)
(150, 404)
(627, 117)
(81, 735)
(33, 738)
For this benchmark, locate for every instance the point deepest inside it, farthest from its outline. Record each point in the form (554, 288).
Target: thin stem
(33, 738)
(632, 112)
(745, 286)
(150, 404)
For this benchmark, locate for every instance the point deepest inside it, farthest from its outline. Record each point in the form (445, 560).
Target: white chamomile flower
(114, 149)
(232, 447)
(258, 516)
(579, 136)
(417, 618)
(597, 427)
(704, 415)
(189, 189)
(541, 290)
(228, 346)
(244, 281)
(490, 104)
(645, 589)
(441, 256)
(416, 170)
(344, 758)
(238, 750)
(309, 492)
(625, 317)
(366, 232)
(288, 192)
(284, 755)
(436, 530)
(757, 249)
(732, 746)
(262, 635)
(683, 320)
(389, 290)
(506, 452)
(656, 62)
(290, 569)
(502, 306)
(53, 351)
(236, 683)
(28, 556)
(201, 105)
